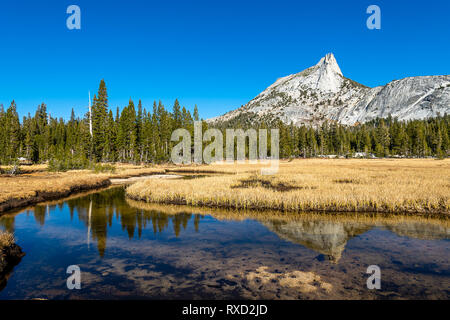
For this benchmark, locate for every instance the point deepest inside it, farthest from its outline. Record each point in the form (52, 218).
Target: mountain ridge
(322, 93)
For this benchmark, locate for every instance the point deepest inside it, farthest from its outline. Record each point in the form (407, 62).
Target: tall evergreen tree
(99, 122)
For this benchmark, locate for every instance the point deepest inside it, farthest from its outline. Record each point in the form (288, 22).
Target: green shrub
(102, 168)
(58, 165)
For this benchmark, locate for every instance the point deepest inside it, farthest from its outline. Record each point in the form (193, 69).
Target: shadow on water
(7, 272)
(173, 251)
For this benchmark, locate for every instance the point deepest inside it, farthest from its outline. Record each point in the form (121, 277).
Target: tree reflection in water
(325, 234)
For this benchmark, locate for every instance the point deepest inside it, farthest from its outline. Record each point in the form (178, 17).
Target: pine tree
(99, 122)
(110, 139)
(196, 115)
(2, 135)
(177, 121)
(139, 134)
(13, 138)
(383, 138)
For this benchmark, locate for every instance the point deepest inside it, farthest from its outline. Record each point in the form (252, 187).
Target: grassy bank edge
(242, 214)
(35, 195)
(6, 240)
(10, 256)
(282, 209)
(42, 196)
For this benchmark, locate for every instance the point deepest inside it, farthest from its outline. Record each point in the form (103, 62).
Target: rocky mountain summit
(322, 93)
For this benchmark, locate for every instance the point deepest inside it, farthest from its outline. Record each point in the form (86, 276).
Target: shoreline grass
(381, 186)
(270, 215)
(6, 240)
(36, 185)
(10, 256)
(27, 190)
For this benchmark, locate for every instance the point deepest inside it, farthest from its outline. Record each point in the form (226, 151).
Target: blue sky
(217, 54)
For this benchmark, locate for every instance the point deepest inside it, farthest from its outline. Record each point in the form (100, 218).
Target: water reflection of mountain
(327, 235)
(324, 236)
(420, 230)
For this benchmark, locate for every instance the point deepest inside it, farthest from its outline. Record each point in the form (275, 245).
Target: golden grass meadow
(420, 186)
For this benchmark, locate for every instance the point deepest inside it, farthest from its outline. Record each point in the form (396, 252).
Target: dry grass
(32, 188)
(25, 169)
(35, 184)
(392, 186)
(395, 186)
(6, 240)
(128, 170)
(217, 168)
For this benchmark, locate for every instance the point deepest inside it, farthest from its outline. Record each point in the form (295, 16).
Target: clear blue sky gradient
(217, 54)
